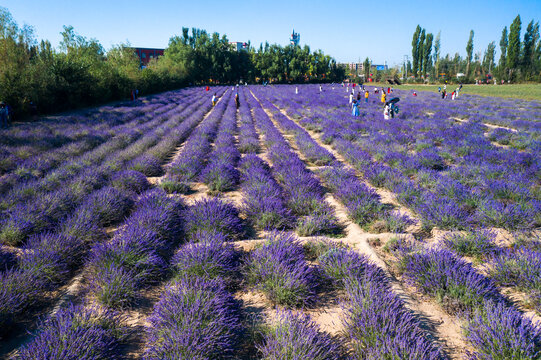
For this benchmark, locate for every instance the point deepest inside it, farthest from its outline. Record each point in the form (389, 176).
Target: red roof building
(145, 54)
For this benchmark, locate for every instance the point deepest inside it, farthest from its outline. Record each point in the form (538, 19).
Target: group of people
(237, 100)
(389, 108)
(444, 93)
(5, 115)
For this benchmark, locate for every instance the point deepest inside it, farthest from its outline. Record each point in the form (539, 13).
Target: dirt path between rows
(444, 328)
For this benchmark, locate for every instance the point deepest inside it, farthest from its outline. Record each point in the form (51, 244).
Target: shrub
(295, 336)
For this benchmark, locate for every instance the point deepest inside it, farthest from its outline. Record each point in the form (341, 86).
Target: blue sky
(347, 30)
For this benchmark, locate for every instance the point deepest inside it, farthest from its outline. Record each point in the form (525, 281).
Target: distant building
(145, 54)
(295, 38)
(239, 46)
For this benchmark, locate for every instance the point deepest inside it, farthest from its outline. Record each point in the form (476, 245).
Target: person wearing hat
(3, 115)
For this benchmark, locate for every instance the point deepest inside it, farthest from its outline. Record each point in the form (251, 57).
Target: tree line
(81, 73)
(519, 60)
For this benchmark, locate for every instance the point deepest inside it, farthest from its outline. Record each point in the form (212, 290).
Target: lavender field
(168, 228)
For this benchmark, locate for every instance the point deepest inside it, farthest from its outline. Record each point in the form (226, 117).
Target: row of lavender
(191, 160)
(49, 258)
(364, 204)
(38, 208)
(515, 267)
(448, 172)
(16, 185)
(30, 151)
(301, 190)
(479, 295)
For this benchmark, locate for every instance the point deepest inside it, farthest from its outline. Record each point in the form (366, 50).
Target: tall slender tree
(421, 51)
(531, 37)
(415, 50)
(366, 69)
(502, 66)
(469, 50)
(488, 58)
(427, 50)
(437, 53)
(513, 49)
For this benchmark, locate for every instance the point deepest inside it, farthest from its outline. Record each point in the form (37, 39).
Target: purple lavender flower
(213, 215)
(380, 327)
(130, 180)
(278, 268)
(109, 205)
(295, 336)
(77, 333)
(194, 319)
(452, 281)
(499, 332)
(478, 244)
(206, 260)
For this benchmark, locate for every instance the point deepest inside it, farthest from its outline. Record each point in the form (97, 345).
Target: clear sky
(347, 30)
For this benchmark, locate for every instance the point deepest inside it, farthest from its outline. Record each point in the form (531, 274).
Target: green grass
(517, 91)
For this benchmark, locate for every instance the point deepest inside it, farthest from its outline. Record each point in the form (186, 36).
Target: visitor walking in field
(366, 96)
(3, 115)
(237, 101)
(386, 112)
(355, 109)
(358, 97)
(214, 99)
(383, 97)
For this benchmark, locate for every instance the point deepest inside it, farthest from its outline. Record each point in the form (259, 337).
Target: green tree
(513, 49)
(488, 58)
(437, 53)
(415, 50)
(469, 50)
(503, 56)
(427, 49)
(421, 52)
(366, 69)
(531, 36)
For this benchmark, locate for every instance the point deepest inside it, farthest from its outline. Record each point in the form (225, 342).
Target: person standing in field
(386, 112)
(366, 96)
(214, 99)
(237, 101)
(351, 98)
(359, 97)
(383, 97)
(296, 90)
(3, 115)
(320, 88)
(355, 109)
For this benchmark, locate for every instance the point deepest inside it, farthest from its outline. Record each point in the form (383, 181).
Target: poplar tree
(513, 49)
(469, 50)
(437, 53)
(427, 50)
(421, 51)
(415, 50)
(503, 56)
(528, 51)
